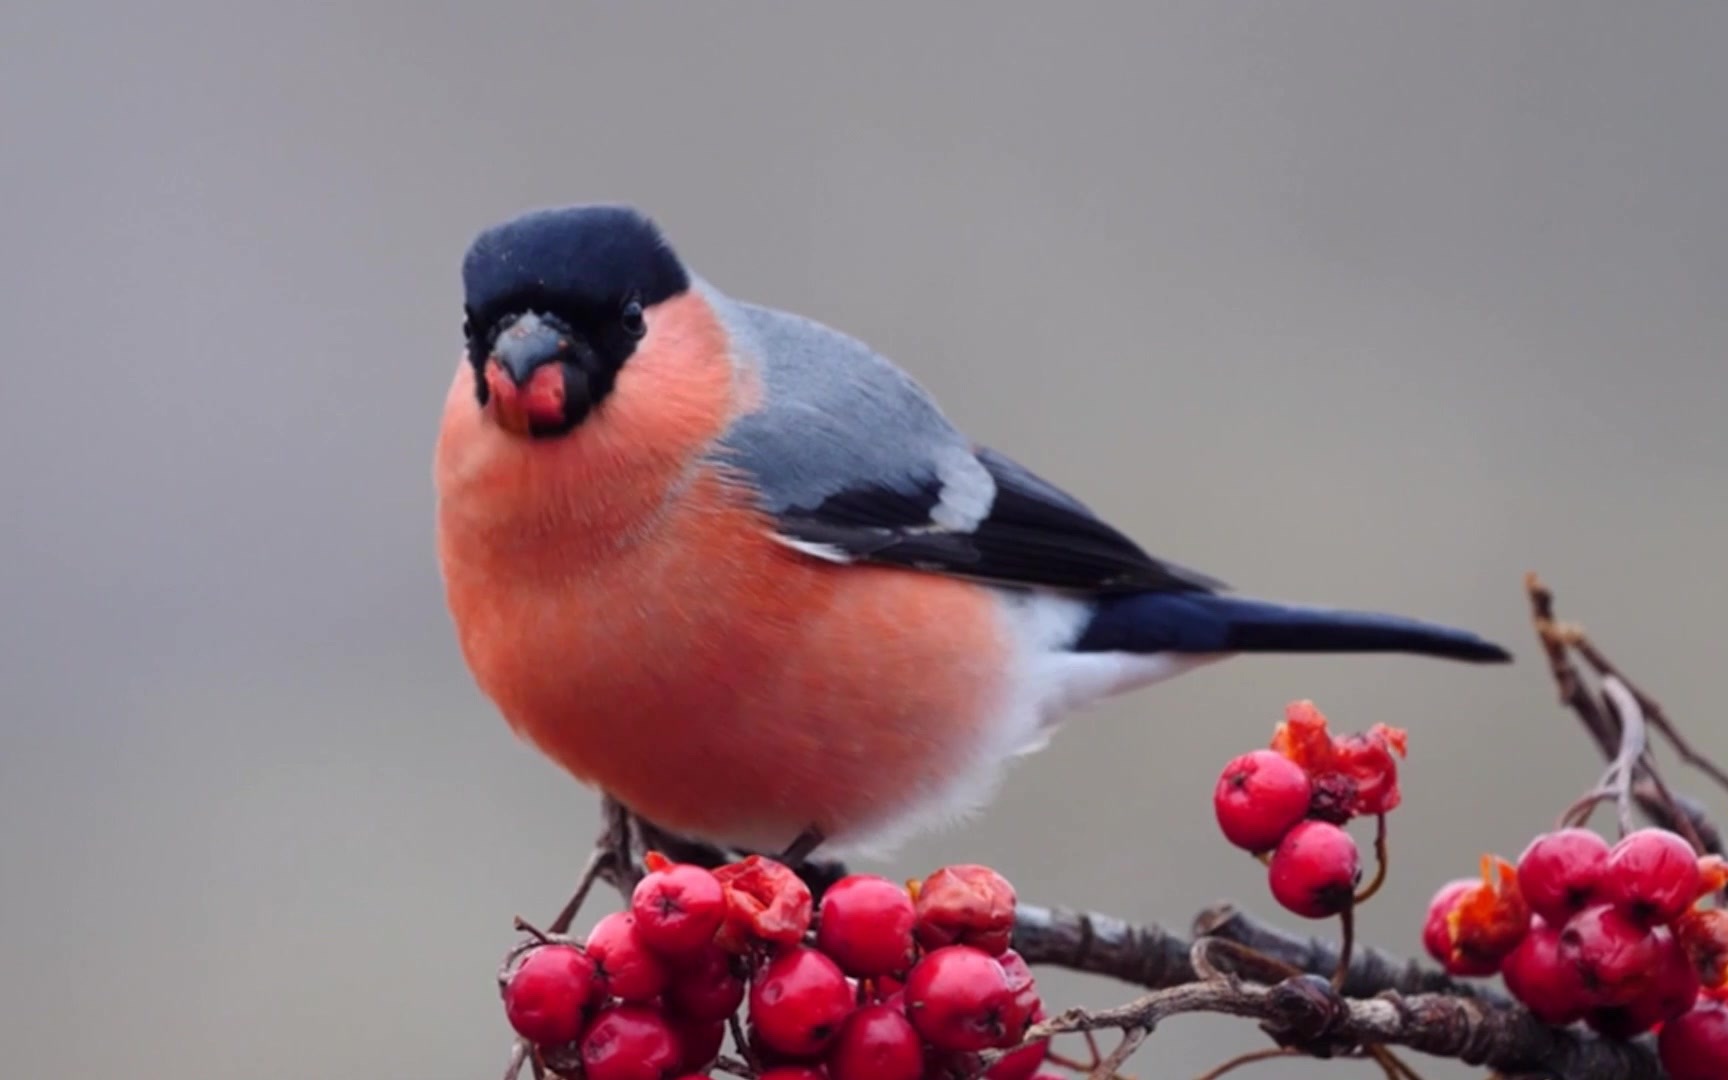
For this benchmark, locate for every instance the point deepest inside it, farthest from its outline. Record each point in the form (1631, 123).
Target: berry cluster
(1613, 936)
(1288, 804)
(881, 982)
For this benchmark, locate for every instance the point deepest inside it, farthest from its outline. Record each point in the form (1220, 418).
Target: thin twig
(1249, 1058)
(1651, 709)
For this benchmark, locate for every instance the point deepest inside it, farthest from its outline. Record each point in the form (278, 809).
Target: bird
(740, 573)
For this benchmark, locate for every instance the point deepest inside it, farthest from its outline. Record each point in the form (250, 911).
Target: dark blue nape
(581, 258)
(1194, 622)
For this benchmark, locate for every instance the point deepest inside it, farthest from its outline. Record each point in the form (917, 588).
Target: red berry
(798, 1002)
(794, 1072)
(1021, 981)
(698, 1042)
(1652, 876)
(1315, 870)
(1025, 1062)
(876, 1043)
(1437, 934)
(1672, 989)
(547, 992)
(705, 987)
(630, 1042)
(1560, 873)
(629, 970)
(1259, 797)
(1615, 956)
(1535, 973)
(866, 926)
(679, 909)
(1695, 1047)
(966, 905)
(960, 998)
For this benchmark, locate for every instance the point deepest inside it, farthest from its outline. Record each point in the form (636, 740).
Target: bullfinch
(738, 571)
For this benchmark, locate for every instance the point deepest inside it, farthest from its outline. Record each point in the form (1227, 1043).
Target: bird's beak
(534, 375)
(528, 344)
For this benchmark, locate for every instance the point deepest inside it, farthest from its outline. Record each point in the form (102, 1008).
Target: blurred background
(1361, 303)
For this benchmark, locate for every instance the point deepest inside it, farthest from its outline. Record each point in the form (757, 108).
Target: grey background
(1363, 303)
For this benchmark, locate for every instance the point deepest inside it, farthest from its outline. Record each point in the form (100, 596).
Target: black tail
(1200, 622)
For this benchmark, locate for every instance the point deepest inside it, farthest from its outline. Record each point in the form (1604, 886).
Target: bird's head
(556, 302)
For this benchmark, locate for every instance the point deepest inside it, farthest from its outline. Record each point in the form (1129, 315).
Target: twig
(1616, 782)
(1658, 719)
(1249, 1058)
(1382, 861)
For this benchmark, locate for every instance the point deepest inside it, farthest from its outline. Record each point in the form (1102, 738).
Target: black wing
(1034, 534)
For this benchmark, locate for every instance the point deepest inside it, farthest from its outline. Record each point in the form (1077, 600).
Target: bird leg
(803, 847)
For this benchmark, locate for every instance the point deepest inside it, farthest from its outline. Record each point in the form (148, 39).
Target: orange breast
(630, 616)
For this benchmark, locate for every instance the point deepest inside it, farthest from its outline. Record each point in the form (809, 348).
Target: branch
(1306, 1013)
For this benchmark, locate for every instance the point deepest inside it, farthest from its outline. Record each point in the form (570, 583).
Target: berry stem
(1380, 861)
(1346, 944)
(523, 926)
(518, 1057)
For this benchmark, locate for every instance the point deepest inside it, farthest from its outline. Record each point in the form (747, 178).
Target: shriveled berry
(966, 905)
(866, 926)
(1315, 870)
(678, 909)
(630, 1042)
(1535, 973)
(876, 1043)
(798, 1002)
(765, 902)
(705, 987)
(1560, 873)
(545, 995)
(1259, 797)
(1672, 990)
(1652, 876)
(1616, 957)
(699, 1042)
(1437, 934)
(629, 970)
(1370, 760)
(1695, 1046)
(959, 998)
(1703, 932)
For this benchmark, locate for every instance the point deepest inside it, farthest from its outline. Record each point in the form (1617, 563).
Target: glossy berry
(1437, 936)
(1672, 989)
(1652, 876)
(699, 1042)
(629, 970)
(876, 1043)
(866, 926)
(959, 998)
(966, 905)
(1560, 873)
(678, 909)
(794, 1072)
(1615, 956)
(1695, 1046)
(1315, 870)
(1024, 1063)
(705, 987)
(1550, 987)
(1259, 797)
(1021, 982)
(798, 1002)
(547, 992)
(630, 1042)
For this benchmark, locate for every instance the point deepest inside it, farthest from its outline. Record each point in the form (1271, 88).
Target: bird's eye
(634, 324)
